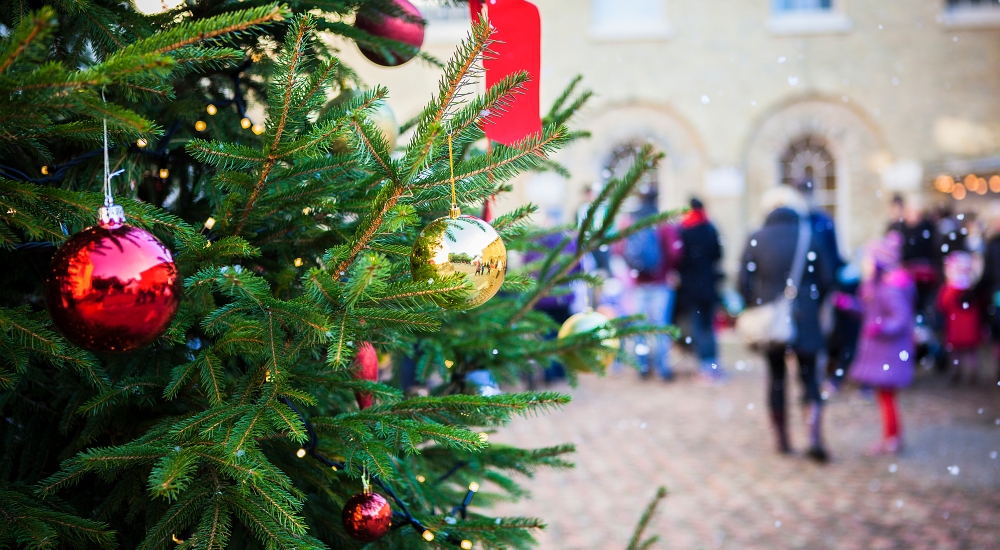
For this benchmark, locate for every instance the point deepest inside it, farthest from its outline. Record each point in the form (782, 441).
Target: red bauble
(112, 288)
(365, 368)
(408, 30)
(367, 517)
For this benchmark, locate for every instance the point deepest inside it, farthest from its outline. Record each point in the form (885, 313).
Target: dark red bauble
(365, 368)
(408, 30)
(367, 517)
(112, 288)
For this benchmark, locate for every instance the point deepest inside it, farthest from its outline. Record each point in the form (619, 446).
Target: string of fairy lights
(51, 174)
(55, 173)
(403, 515)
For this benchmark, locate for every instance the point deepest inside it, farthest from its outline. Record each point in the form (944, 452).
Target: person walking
(841, 331)
(652, 254)
(698, 293)
(766, 276)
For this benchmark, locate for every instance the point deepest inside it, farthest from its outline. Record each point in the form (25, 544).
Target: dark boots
(815, 422)
(779, 421)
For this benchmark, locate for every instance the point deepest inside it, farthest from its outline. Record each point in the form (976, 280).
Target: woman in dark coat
(765, 268)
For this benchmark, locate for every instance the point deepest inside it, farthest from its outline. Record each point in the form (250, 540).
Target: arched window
(807, 165)
(619, 163)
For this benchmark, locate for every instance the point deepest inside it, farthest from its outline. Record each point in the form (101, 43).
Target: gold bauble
(465, 244)
(380, 115)
(585, 322)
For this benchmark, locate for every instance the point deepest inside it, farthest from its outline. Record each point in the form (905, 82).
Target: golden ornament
(585, 322)
(464, 244)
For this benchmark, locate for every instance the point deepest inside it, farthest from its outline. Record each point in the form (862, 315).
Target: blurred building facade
(866, 99)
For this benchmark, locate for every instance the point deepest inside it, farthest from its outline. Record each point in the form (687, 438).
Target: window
(800, 5)
(807, 165)
(446, 24)
(434, 12)
(791, 17)
(953, 4)
(619, 163)
(620, 20)
(971, 14)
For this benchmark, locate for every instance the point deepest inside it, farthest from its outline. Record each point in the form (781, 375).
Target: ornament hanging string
(108, 199)
(451, 164)
(109, 215)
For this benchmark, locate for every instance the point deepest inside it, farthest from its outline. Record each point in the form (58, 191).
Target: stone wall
(722, 87)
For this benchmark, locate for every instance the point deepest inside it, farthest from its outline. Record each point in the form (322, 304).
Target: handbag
(773, 324)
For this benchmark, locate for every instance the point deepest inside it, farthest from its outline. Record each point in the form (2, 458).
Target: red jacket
(962, 317)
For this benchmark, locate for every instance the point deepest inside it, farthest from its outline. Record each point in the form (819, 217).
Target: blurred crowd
(923, 296)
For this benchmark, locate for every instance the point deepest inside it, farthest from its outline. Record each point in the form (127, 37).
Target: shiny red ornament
(367, 517)
(112, 288)
(365, 368)
(408, 29)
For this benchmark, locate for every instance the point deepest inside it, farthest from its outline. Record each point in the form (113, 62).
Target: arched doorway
(835, 147)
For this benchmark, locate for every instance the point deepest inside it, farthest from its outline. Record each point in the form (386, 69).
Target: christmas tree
(239, 426)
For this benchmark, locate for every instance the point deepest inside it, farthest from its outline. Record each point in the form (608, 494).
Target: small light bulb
(483, 436)
(467, 544)
(210, 223)
(258, 129)
(334, 468)
(142, 143)
(428, 535)
(298, 262)
(211, 109)
(307, 210)
(245, 123)
(449, 363)
(200, 125)
(164, 173)
(45, 170)
(421, 479)
(474, 487)
(301, 453)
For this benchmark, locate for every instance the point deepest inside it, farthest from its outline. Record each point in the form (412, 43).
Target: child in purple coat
(885, 353)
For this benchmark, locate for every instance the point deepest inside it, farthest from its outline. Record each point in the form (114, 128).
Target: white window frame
(970, 17)
(629, 31)
(809, 22)
(444, 31)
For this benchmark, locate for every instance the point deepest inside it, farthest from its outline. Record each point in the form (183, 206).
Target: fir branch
(172, 474)
(215, 526)
(455, 78)
(179, 516)
(647, 515)
(189, 33)
(212, 377)
(31, 29)
(291, 57)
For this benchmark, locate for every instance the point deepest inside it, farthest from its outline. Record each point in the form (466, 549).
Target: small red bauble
(367, 517)
(112, 288)
(365, 368)
(408, 30)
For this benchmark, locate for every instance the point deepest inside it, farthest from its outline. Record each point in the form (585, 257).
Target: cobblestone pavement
(712, 448)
